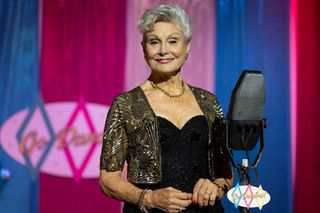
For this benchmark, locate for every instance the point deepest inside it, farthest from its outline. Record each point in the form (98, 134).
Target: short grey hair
(171, 13)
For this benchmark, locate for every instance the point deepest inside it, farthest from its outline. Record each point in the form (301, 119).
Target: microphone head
(248, 97)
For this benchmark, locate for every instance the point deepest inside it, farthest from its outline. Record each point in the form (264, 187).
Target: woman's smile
(165, 60)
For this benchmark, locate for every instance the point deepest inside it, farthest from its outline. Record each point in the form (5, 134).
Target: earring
(187, 55)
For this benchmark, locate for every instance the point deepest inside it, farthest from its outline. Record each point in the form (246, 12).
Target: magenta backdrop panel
(83, 50)
(82, 58)
(307, 161)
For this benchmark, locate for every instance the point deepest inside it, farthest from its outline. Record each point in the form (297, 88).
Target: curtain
(307, 172)
(83, 46)
(19, 76)
(18, 55)
(82, 55)
(253, 35)
(71, 50)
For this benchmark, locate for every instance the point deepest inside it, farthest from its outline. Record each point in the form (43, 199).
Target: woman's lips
(164, 61)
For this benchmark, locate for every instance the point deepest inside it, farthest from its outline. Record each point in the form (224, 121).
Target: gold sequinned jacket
(131, 134)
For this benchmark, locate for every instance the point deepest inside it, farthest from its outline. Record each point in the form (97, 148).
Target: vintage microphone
(244, 123)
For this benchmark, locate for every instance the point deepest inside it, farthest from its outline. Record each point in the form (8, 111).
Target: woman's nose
(163, 50)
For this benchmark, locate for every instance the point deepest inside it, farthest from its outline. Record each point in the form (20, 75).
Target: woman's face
(165, 48)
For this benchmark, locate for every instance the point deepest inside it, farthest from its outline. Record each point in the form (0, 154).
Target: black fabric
(183, 160)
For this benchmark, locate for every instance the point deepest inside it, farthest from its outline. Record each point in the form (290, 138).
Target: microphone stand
(245, 180)
(237, 125)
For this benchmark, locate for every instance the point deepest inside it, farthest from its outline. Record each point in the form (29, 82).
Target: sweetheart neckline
(185, 124)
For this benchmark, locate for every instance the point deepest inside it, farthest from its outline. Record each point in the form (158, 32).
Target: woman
(163, 130)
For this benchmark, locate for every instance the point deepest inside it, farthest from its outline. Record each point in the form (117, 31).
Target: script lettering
(30, 142)
(70, 136)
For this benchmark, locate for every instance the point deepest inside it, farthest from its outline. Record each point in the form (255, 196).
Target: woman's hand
(168, 200)
(205, 193)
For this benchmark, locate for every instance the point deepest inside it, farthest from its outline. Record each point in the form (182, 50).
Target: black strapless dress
(183, 160)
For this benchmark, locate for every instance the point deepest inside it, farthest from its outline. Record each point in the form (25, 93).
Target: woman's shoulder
(208, 100)
(202, 92)
(128, 97)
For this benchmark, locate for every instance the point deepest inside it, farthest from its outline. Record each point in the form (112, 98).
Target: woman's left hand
(205, 193)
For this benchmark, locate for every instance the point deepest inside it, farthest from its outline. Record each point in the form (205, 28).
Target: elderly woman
(168, 132)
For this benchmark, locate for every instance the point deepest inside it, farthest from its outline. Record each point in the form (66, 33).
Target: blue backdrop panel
(253, 34)
(18, 87)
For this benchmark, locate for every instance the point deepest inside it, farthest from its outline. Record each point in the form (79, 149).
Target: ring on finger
(209, 195)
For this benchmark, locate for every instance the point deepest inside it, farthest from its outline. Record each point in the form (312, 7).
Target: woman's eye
(153, 42)
(172, 41)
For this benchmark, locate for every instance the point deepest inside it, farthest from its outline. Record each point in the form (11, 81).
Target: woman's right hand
(168, 200)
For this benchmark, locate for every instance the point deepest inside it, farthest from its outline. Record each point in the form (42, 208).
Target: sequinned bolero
(131, 134)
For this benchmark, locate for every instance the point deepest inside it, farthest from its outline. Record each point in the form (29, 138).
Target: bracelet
(225, 188)
(142, 200)
(221, 189)
(228, 187)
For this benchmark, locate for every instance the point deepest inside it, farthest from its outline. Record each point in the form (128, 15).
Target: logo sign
(61, 138)
(248, 196)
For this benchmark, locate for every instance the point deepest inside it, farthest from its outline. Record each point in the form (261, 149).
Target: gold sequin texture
(131, 134)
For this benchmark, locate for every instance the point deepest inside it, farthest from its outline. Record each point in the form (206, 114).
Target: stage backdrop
(63, 61)
(253, 35)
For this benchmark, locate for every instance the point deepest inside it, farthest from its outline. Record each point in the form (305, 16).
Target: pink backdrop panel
(199, 68)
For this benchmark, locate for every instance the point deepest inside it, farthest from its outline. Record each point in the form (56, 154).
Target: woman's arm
(114, 185)
(167, 199)
(113, 155)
